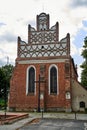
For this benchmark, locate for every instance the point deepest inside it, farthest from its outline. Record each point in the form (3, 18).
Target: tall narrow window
(53, 80)
(31, 79)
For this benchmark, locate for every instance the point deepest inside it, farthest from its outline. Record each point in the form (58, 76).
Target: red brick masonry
(12, 117)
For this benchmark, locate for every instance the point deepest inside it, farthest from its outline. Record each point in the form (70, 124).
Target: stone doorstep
(13, 118)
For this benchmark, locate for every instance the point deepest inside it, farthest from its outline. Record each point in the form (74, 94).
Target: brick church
(45, 76)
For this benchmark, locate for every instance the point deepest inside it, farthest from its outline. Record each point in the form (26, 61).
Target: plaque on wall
(68, 95)
(42, 96)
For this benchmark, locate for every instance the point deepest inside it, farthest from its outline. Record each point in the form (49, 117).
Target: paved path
(32, 116)
(55, 124)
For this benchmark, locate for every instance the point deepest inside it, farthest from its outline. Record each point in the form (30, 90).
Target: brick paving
(8, 117)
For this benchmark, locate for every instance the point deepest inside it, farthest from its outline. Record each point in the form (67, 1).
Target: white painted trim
(53, 65)
(27, 78)
(41, 61)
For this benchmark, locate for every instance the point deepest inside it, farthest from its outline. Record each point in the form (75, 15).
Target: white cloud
(7, 50)
(80, 50)
(78, 3)
(79, 70)
(74, 49)
(8, 36)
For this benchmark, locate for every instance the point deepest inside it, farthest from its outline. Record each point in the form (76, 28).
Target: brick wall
(21, 101)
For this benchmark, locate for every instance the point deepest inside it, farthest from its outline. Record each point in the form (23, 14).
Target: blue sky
(79, 41)
(15, 15)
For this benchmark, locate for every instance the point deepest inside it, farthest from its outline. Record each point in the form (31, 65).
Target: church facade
(44, 73)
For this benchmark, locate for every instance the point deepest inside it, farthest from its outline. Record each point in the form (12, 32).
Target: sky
(15, 15)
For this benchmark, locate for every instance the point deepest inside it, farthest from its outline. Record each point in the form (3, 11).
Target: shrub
(86, 110)
(2, 103)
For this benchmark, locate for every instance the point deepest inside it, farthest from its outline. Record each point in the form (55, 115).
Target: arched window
(31, 79)
(53, 80)
(82, 104)
(30, 88)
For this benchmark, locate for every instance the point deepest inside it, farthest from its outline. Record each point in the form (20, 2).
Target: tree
(84, 64)
(2, 82)
(5, 76)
